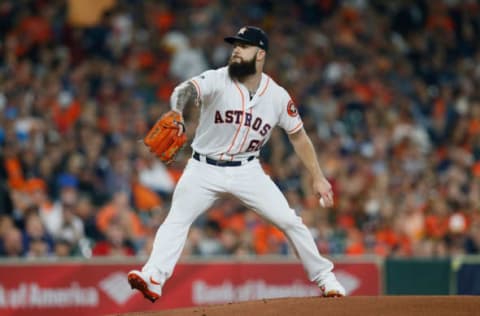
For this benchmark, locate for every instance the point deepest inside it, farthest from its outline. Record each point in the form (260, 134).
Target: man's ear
(261, 54)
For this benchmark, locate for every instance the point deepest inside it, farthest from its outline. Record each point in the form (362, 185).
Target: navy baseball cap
(251, 35)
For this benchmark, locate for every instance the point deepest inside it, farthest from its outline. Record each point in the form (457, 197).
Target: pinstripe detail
(246, 134)
(239, 126)
(266, 85)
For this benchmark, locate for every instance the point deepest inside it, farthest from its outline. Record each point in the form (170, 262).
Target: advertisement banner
(98, 289)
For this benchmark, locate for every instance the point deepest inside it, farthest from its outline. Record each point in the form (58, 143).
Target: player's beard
(241, 70)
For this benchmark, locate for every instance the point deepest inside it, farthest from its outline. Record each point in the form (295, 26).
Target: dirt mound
(355, 306)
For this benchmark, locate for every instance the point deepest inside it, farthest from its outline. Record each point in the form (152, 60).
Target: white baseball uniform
(232, 127)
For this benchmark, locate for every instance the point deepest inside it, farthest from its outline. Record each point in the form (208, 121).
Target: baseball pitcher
(239, 107)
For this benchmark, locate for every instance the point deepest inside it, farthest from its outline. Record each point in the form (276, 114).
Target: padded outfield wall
(95, 287)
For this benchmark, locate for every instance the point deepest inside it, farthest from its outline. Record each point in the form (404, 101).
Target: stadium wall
(93, 287)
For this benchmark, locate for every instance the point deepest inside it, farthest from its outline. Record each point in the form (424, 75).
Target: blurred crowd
(389, 92)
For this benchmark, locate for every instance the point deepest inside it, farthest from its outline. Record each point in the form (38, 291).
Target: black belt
(220, 163)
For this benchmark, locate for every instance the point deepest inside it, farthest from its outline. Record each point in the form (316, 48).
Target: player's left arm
(304, 148)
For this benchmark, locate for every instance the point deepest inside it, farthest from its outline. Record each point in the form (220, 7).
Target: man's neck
(252, 82)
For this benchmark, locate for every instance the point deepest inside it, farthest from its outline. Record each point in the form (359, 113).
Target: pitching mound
(359, 305)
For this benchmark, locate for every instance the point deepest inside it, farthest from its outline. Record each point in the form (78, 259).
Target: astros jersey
(232, 126)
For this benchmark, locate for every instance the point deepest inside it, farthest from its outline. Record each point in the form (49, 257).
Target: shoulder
(275, 90)
(211, 77)
(213, 74)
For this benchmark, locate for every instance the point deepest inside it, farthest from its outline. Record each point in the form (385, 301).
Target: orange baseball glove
(163, 139)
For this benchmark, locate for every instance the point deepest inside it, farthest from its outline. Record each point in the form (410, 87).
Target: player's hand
(181, 127)
(323, 190)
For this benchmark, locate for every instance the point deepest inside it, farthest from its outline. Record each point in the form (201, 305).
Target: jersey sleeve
(206, 84)
(290, 119)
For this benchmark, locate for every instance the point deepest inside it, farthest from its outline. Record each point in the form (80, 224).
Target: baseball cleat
(333, 293)
(331, 287)
(150, 289)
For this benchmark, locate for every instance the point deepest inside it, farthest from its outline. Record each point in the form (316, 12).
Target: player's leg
(195, 192)
(264, 197)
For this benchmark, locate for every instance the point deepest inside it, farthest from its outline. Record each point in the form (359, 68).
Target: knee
(290, 222)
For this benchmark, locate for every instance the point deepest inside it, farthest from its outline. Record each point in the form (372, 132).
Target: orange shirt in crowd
(436, 226)
(267, 238)
(355, 242)
(109, 213)
(145, 199)
(36, 28)
(14, 173)
(65, 118)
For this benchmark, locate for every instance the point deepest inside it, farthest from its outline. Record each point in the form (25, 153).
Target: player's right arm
(195, 91)
(183, 94)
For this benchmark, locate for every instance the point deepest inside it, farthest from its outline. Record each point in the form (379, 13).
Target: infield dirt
(346, 306)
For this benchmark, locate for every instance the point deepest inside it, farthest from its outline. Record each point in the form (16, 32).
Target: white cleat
(331, 287)
(149, 287)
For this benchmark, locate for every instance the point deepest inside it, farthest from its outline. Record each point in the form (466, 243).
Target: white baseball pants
(199, 187)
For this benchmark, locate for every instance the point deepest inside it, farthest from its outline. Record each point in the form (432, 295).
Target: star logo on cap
(242, 30)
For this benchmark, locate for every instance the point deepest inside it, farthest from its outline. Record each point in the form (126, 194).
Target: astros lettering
(235, 117)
